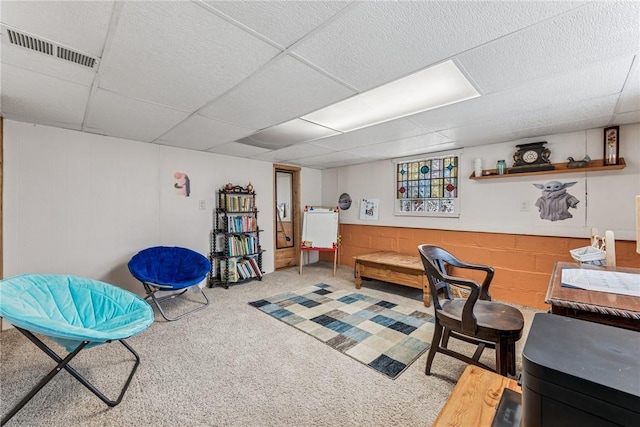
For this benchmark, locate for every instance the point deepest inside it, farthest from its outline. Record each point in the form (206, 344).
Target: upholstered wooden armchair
(474, 319)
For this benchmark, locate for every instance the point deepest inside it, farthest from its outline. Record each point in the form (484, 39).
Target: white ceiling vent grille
(49, 48)
(77, 57)
(30, 42)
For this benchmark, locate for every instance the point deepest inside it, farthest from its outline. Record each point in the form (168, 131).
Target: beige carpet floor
(230, 365)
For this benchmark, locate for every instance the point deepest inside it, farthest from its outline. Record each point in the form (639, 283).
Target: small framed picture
(612, 145)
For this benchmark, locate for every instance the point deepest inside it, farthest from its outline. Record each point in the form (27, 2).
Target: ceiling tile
(289, 133)
(283, 90)
(627, 118)
(405, 147)
(238, 150)
(179, 54)
(200, 133)
(389, 131)
(368, 44)
(283, 22)
(630, 97)
(80, 25)
(320, 161)
(550, 129)
(123, 117)
(32, 97)
(46, 64)
(293, 152)
(566, 89)
(513, 123)
(595, 32)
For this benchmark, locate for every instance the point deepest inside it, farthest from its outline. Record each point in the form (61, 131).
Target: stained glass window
(427, 186)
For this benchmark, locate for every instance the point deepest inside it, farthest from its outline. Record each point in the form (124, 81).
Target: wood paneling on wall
(522, 263)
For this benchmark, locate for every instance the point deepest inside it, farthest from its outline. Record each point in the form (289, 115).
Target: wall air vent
(49, 48)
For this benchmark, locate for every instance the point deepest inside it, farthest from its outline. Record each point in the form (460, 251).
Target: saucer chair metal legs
(172, 269)
(76, 313)
(64, 364)
(153, 288)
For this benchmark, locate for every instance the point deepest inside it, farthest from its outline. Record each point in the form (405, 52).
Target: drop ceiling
(235, 77)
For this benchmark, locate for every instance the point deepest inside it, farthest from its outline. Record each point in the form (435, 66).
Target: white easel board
(320, 227)
(320, 232)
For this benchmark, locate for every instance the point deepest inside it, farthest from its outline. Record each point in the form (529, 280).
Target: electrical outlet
(202, 204)
(524, 206)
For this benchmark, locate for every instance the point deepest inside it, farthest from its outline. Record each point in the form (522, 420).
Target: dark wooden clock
(532, 157)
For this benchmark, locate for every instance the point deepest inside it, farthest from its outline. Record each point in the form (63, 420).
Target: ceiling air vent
(49, 48)
(77, 57)
(30, 42)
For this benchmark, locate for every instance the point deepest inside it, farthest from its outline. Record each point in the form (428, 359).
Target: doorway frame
(295, 209)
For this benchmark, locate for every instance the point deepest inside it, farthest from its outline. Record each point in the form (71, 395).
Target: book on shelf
(239, 203)
(241, 224)
(230, 266)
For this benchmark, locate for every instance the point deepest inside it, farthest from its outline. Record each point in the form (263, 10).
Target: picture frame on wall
(612, 145)
(369, 209)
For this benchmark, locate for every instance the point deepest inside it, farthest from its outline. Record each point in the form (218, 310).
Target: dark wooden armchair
(474, 319)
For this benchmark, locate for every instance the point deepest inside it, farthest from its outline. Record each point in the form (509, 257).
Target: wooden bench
(393, 267)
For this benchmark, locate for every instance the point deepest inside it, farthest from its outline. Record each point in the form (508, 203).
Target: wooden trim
(295, 208)
(596, 165)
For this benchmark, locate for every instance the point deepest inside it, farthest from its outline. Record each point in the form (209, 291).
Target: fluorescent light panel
(434, 87)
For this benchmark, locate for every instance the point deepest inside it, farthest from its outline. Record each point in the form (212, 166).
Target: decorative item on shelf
(228, 187)
(579, 163)
(249, 187)
(477, 167)
(532, 157)
(501, 167)
(612, 145)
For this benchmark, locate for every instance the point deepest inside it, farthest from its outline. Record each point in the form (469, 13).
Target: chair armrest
(489, 272)
(469, 321)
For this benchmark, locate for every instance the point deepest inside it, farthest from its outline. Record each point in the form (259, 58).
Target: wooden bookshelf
(595, 166)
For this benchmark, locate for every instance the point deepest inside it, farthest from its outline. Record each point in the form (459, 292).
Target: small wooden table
(474, 399)
(393, 267)
(611, 309)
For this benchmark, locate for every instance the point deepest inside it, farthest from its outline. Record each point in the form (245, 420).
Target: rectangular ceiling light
(437, 86)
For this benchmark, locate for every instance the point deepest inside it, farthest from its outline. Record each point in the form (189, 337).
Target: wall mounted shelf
(596, 165)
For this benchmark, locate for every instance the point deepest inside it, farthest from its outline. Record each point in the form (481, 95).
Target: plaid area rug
(383, 335)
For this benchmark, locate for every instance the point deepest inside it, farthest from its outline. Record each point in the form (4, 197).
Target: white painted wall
(606, 198)
(83, 204)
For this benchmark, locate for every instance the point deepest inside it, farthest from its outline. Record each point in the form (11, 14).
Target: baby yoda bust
(555, 202)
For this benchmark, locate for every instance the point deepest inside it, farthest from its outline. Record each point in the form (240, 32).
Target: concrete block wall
(523, 263)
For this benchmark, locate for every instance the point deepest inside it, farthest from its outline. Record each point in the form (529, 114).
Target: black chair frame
(445, 327)
(63, 363)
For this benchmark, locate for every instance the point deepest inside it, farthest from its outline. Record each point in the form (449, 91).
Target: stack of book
(242, 224)
(239, 269)
(242, 245)
(236, 203)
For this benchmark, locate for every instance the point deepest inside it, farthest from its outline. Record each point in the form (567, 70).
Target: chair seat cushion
(491, 317)
(70, 309)
(172, 267)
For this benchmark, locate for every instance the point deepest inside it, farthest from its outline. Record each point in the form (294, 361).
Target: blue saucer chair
(75, 312)
(170, 268)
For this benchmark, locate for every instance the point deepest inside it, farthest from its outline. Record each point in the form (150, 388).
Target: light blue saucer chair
(75, 312)
(174, 269)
